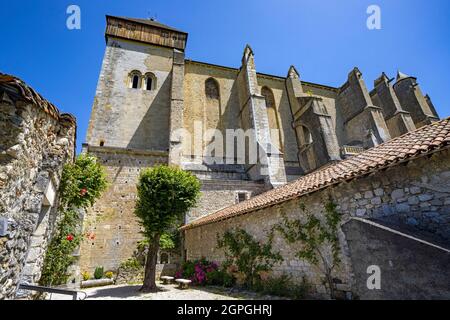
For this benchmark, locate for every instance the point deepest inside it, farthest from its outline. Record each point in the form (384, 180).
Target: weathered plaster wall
(34, 146)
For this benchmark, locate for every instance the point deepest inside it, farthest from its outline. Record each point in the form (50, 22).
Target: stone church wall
(111, 220)
(34, 146)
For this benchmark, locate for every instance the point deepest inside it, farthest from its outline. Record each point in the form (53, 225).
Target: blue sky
(323, 39)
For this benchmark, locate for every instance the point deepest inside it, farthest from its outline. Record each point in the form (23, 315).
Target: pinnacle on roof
(401, 75)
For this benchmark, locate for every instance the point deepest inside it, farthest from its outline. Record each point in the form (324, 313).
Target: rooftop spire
(293, 73)
(401, 75)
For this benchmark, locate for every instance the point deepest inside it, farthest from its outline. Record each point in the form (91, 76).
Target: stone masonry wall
(112, 220)
(132, 118)
(34, 146)
(413, 198)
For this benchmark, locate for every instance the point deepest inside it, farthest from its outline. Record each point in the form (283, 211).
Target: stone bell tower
(139, 94)
(138, 103)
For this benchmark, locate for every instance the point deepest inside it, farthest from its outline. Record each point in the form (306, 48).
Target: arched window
(305, 136)
(135, 79)
(164, 258)
(150, 81)
(274, 124)
(268, 95)
(212, 89)
(212, 111)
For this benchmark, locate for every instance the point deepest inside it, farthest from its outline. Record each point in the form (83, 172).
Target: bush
(131, 263)
(86, 276)
(282, 287)
(109, 274)
(250, 256)
(197, 271)
(59, 254)
(98, 273)
(82, 182)
(219, 278)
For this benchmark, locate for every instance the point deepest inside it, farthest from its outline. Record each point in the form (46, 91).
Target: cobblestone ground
(167, 292)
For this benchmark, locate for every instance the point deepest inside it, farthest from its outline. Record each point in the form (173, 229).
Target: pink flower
(83, 192)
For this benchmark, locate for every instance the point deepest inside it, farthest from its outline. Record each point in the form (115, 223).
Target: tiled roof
(16, 89)
(419, 142)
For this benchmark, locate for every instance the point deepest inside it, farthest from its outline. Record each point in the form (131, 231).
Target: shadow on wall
(410, 269)
(153, 130)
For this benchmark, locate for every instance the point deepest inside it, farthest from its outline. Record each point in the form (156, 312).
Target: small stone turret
(383, 95)
(412, 100)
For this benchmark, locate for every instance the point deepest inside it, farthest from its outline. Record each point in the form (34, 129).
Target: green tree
(164, 195)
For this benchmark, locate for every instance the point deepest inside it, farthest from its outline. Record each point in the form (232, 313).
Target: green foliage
(219, 277)
(248, 255)
(98, 273)
(168, 241)
(59, 254)
(314, 238)
(283, 287)
(131, 264)
(164, 194)
(86, 276)
(82, 182)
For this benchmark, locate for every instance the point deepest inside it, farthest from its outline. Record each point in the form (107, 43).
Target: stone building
(36, 140)
(152, 105)
(394, 200)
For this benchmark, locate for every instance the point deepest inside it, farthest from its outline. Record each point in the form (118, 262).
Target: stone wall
(413, 198)
(112, 220)
(409, 268)
(34, 146)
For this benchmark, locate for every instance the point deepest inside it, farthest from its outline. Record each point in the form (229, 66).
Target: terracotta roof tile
(419, 142)
(18, 90)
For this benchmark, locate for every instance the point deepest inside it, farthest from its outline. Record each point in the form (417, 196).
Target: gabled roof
(422, 141)
(148, 22)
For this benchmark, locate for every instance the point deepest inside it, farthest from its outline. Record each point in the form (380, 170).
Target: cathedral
(148, 93)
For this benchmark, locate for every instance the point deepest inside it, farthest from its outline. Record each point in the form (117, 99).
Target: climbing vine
(82, 182)
(317, 240)
(249, 256)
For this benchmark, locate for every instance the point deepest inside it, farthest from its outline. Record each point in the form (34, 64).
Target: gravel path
(167, 292)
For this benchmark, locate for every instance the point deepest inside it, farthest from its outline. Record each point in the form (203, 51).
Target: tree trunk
(150, 266)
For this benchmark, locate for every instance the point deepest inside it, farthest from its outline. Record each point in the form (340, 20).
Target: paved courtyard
(167, 292)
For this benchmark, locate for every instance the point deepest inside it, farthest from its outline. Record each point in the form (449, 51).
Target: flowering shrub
(82, 182)
(202, 272)
(85, 275)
